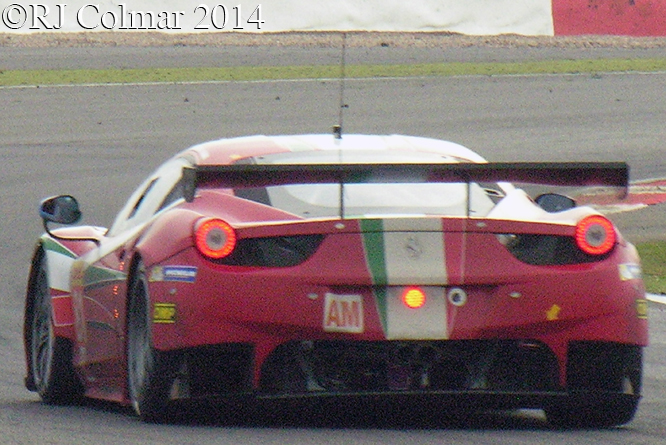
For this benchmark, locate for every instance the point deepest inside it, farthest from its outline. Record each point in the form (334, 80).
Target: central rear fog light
(413, 298)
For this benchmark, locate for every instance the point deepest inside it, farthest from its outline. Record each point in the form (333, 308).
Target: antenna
(337, 129)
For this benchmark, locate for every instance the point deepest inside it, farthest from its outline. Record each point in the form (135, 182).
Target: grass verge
(653, 260)
(249, 73)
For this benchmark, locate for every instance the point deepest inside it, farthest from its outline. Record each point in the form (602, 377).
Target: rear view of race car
(384, 268)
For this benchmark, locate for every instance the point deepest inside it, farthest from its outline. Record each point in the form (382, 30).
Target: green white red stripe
(403, 252)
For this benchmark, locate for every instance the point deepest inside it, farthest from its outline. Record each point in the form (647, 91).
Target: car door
(102, 276)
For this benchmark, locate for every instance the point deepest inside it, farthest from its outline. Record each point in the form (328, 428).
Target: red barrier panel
(610, 17)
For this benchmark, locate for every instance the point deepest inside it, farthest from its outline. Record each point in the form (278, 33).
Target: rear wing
(580, 174)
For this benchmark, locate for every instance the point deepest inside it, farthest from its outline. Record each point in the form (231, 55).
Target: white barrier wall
(474, 17)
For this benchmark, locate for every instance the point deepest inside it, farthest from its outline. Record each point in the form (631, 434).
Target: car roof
(228, 151)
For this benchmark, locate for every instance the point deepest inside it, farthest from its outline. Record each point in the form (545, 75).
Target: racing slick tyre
(592, 415)
(150, 373)
(51, 369)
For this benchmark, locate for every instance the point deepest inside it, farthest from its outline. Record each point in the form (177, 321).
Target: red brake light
(215, 238)
(595, 235)
(413, 298)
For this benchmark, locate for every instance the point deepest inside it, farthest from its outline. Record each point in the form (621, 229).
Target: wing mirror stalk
(61, 209)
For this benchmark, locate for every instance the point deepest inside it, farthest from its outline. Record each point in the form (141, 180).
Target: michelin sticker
(186, 274)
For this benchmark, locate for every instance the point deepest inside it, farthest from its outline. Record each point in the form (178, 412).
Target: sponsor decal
(343, 313)
(642, 308)
(630, 272)
(553, 313)
(164, 313)
(186, 274)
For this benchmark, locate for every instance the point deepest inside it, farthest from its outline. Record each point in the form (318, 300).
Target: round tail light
(215, 238)
(595, 235)
(413, 298)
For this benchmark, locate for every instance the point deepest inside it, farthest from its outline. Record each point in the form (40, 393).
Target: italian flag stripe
(99, 276)
(373, 243)
(52, 245)
(403, 252)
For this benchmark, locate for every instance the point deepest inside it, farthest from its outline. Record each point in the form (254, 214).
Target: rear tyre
(150, 373)
(51, 368)
(604, 380)
(593, 415)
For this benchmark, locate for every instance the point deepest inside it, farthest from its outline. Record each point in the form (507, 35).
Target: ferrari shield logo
(343, 313)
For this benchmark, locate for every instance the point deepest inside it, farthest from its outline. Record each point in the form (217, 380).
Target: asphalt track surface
(226, 56)
(98, 142)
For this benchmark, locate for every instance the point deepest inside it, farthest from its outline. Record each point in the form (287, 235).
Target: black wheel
(593, 415)
(51, 368)
(150, 373)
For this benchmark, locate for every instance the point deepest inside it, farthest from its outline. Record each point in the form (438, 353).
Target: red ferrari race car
(368, 267)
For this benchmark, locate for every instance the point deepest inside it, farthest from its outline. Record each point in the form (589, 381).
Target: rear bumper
(414, 409)
(455, 401)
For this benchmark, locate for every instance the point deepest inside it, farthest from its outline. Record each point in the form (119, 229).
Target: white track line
(326, 79)
(656, 298)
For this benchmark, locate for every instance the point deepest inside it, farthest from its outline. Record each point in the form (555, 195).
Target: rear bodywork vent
(277, 251)
(549, 250)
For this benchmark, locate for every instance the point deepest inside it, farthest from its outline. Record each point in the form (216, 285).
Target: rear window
(378, 197)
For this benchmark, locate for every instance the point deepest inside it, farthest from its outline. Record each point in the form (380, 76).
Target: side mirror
(554, 202)
(61, 209)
